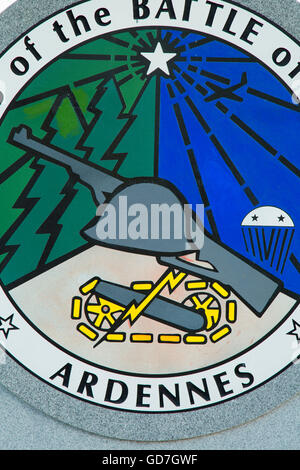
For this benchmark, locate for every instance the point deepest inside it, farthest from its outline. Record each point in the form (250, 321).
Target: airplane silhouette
(228, 92)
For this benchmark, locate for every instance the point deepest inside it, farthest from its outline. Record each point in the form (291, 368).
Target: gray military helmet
(147, 217)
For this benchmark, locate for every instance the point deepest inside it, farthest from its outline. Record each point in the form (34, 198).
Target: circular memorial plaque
(149, 250)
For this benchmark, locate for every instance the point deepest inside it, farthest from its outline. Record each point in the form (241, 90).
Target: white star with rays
(158, 59)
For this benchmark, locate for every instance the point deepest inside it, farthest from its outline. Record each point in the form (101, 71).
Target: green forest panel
(99, 126)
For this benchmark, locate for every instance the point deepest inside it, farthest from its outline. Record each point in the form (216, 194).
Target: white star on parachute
(158, 59)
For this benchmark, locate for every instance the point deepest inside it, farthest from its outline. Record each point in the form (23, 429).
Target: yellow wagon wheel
(102, 313)
(206, 304)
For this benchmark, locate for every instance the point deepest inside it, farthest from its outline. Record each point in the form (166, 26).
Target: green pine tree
(9, 193)
(138, 143)
(28, 244)
(15, 167)
(77, 207)
(36, 233)
(105, 127)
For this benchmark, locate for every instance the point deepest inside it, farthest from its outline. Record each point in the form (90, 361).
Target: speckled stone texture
(133, 426)
(22, 427)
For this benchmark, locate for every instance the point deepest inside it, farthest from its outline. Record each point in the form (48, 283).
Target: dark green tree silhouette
(138, 143)
(36, 228)
(105, 127)
(17, 171)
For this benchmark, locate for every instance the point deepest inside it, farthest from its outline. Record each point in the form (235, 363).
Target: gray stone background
(24, 427)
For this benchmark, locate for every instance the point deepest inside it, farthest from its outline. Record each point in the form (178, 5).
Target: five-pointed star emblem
(158, 59)
(295, 331)
(6, 325)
